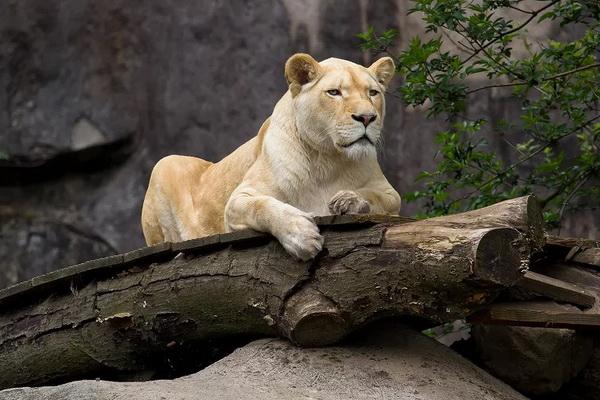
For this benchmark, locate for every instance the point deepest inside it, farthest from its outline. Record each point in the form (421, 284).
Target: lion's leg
(382, 200)
(169, 213)
(295, 229)
(365, 201)
(377, 197)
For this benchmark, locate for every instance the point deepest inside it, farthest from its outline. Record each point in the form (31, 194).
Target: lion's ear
(383, 69)
(299, 70)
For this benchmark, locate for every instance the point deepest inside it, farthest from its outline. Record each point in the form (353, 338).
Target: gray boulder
(586, 385)
(533, 360)
(390, 362)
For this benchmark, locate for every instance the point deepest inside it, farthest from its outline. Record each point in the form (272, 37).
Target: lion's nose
(366, 119)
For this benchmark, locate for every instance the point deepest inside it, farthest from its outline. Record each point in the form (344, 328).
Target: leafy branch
(557, 76)
(514, 30)
(554, 142)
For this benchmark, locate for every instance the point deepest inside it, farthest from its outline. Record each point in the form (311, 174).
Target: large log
(99, 321)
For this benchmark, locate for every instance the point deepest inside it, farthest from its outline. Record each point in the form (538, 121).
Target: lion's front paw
(348, 202)
(299, 235)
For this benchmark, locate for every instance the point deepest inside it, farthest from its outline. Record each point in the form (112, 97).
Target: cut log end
(319, 329)
(312, 320)
(497, 255)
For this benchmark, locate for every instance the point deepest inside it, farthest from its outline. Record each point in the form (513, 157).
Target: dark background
(95, 92)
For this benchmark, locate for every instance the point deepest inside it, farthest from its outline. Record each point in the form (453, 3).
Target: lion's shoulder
(260, 138)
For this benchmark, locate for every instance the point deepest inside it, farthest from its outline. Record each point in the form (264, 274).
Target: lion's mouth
(364, 139)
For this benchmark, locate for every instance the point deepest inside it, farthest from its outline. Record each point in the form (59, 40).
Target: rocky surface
(97, 92)
(586, 385)
(40, 239)
(390, 362)
(536, 361)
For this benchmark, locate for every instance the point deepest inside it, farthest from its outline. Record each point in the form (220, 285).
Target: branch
(518, 28)
(560, 75)
(495, 86)
(538, 151)
(529, 157)
(551, 197)
(520, 9)
(581, 182)
(573, 71)
(459, 45)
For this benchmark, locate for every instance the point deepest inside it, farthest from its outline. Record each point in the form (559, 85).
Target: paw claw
(348, 202)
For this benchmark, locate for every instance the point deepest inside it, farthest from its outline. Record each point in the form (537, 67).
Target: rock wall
(94, 93)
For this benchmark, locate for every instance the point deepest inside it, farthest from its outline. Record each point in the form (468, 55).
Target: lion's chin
(359, 150)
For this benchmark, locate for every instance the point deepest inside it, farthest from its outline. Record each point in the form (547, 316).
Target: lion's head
(338, 105)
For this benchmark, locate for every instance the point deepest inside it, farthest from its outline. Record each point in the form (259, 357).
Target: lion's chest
(315, 202)
(309, 184)
(314, 197)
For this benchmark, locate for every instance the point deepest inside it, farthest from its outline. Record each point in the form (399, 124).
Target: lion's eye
(334, 92)
(373, 93)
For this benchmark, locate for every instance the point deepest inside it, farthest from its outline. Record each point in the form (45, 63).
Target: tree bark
(126, 317)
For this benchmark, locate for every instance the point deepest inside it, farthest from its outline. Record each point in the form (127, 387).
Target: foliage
(556, 153)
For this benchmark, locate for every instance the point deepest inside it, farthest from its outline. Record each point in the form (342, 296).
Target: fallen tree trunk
(105, 318)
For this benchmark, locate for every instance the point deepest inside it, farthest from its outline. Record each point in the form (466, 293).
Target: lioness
(315, 155)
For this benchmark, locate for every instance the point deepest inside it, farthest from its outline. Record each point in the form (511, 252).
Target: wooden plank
(571, 273)
(63, 275)
(556, 241)
(588, 257)
(353, 219)
(561, 249)
(196, 244)
(150, 253)
(536, 314)
(248, 236)
(556, 289)
(242, 236)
